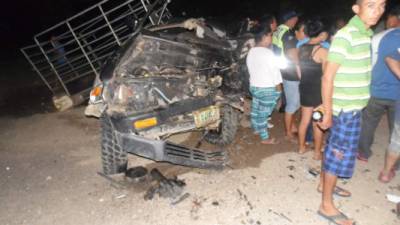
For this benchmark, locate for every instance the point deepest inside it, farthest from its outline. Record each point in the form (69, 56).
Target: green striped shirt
(351, 49)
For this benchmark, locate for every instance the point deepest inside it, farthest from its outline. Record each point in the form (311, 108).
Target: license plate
(206, 116)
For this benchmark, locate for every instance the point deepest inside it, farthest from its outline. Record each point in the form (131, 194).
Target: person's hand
(326, 122)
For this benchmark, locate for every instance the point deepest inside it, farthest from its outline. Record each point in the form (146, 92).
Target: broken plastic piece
(393, 198)
(137, 174)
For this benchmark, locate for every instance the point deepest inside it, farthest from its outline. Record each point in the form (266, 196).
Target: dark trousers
(371, 117)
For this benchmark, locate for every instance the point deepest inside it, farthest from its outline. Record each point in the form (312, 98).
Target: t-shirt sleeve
(393, 44)
(395, 54)
(339, 47)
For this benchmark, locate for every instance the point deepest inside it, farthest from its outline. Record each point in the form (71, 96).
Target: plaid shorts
(341, 148)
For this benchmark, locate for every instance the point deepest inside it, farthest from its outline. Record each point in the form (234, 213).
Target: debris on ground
(244, 197)
(136, 174)
(197, 203)
(291, 167)
(393, 198)
(165, 188)
(180, 199)
(281, 215)
(313, 172)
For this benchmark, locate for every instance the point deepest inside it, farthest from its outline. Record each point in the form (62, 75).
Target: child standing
(265, 80)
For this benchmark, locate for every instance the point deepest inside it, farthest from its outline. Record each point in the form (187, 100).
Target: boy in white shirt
(265, 80)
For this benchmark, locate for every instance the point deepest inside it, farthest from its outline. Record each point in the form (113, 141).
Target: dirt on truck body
(166, 80)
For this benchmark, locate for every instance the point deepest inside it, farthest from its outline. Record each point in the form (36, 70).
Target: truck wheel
(114, 158)
(227, 128)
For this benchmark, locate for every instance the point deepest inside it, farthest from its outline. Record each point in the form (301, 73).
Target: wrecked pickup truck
(166, 80)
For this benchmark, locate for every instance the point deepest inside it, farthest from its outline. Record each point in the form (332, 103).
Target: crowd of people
(341, 83)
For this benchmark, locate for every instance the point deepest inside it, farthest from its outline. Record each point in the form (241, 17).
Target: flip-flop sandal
(335, 218)
(362, 158)
(338, 191)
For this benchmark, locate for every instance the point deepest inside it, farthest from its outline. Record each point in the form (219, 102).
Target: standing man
(345, 92)
(284, 46)
(391, 60)
(385, 86)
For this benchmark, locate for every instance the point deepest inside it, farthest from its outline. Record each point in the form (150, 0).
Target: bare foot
(270, 141)
(317, 156)
(291, 139)
(309, 145)
(302, 150)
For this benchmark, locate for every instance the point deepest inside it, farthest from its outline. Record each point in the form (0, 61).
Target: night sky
(21, 19)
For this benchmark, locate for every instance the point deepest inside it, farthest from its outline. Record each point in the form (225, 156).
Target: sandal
(386, 178)
(362, 158)
(335, 218)
(338, 191)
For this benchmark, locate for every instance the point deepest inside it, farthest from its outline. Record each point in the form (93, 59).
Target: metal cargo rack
(68, 56)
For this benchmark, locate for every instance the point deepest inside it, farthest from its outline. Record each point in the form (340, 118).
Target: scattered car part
(136, 174)
(165, 188)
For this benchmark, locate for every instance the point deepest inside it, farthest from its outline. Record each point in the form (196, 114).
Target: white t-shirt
(263, 68)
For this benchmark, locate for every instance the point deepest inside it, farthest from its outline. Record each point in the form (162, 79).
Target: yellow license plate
(206, 116)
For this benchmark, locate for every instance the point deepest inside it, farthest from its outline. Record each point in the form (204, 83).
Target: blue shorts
(341, 148)
(292, 95)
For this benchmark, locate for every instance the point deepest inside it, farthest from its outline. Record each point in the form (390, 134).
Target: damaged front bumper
(164, 151)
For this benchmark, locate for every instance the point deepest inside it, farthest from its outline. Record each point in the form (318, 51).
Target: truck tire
(227, 129)
(114, 158)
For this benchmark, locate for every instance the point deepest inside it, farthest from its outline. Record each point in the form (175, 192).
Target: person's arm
(394, 65)
(336, 57)
(321, 56)
(293, 55)
(327, 93)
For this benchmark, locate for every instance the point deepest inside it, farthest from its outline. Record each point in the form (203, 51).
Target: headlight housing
(96, 94)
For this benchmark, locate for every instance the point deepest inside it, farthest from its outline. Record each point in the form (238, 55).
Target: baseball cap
(288, 15)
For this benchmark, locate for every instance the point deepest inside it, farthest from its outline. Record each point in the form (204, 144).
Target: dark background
(22, 92)
(21, 19)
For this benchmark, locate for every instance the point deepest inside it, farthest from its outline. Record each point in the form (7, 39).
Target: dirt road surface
(49, 164)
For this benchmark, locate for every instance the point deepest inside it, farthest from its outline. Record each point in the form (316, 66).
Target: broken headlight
(96, 94)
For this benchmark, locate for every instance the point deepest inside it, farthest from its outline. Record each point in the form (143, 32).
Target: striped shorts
(342, 144)
(262, 105)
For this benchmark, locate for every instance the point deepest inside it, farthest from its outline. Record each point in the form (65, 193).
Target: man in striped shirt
(345, 92)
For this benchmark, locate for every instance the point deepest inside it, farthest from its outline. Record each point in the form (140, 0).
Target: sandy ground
(49, 164)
